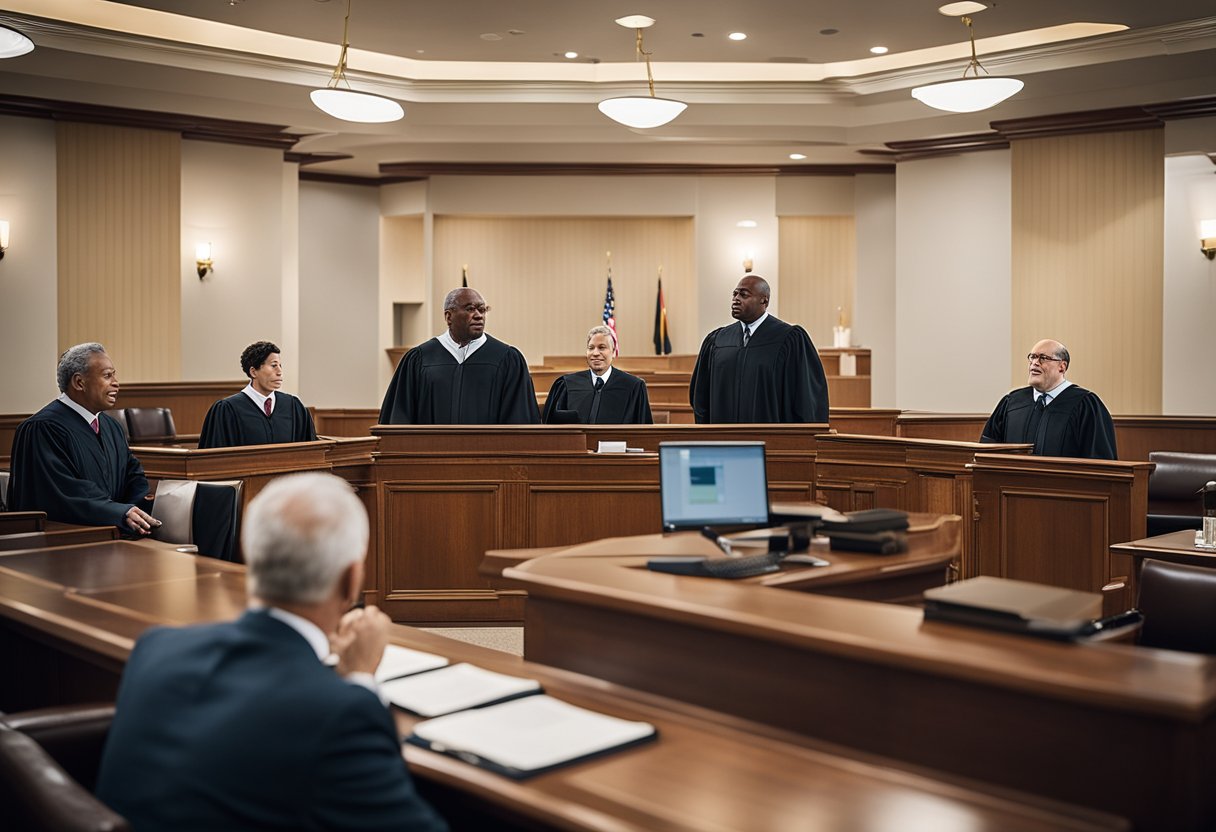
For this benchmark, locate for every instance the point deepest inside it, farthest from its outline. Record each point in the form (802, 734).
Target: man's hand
(360, 640)
(140, 521)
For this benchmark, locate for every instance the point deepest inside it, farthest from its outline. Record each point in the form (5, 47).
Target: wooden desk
(17, 522)
(1125, 729)
(1175, 547)
(707, 771)
(934, 543)
(57, 534)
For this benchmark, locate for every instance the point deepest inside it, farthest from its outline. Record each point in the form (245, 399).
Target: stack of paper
(402, 661)
(455, 688)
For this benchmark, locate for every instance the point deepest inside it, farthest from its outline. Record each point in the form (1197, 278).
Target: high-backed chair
(205, 514)
(48, 768)
(1173, 499)
(1179, 606)
(150, 424)
(119, 415)
(4, 475)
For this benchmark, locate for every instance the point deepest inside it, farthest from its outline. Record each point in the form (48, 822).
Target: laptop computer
(719, 484)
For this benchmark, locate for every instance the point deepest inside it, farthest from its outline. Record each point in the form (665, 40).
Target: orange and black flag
(662, 338)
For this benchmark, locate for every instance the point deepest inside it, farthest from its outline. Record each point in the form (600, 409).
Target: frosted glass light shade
(357, 106)
(968, 95)
(641, 111)
(13, 43)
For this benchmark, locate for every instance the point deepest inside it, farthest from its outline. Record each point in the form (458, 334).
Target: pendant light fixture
(347, 104)
(13, 43)
(970, 94)
(641, 111)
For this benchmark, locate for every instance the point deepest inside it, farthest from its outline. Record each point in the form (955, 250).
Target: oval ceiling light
(571, 55)
(640, 111)
(960, 9)
(349, 105)
(879, 50)
(968, 95)
(737, 36)
(13, 43)
(746, 224)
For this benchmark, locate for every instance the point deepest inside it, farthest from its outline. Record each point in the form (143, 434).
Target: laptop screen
(713, 484)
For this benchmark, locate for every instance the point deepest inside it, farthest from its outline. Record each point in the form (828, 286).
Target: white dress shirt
(458, 352)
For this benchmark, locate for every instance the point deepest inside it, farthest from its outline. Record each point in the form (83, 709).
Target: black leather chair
(48, 769)
(150, 424)
(119, 415)
(1173, 499)
(206, 515)
(1179, 606)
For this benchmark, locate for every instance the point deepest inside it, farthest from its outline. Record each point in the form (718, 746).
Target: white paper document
(528, 734)
(454, 688)
(402, 661)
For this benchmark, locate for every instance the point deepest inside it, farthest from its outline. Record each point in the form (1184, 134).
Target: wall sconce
(748, 262)
(1207, 238)
(202, 254)
(3, 238)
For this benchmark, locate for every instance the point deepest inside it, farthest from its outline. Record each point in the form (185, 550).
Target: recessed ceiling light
(956, 9)
(879, 50)
(746, 224)
(737, 36)
(490, 36)
(797, 157)
(571, 54)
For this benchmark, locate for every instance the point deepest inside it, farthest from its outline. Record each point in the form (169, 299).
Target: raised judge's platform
(71, 617)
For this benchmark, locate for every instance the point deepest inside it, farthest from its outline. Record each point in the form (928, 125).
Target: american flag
(610, 316)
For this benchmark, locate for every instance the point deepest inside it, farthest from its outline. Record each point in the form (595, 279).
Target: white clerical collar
(1054, 393)
(84, 413)
(754, 325)
(607, 373)
(258, 398)
(458, 352)
(310, 632)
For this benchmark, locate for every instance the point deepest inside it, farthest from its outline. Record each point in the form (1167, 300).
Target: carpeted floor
(506, 639)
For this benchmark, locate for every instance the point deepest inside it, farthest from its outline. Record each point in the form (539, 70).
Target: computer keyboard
(742, 567)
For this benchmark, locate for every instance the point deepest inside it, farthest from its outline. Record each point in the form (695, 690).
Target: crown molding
(348, 179)
(421, 170)
(905, 151)
(200, 128)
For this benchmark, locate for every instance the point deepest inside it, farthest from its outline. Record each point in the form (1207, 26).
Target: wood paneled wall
(818, 257)
(545, 277)
(1087, 260)
(119, 245)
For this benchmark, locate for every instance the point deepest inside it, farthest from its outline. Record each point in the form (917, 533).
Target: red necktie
(267, 406)
(96, 427)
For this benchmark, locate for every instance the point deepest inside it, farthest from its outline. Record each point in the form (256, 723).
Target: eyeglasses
(471, 308)
(1042, 359)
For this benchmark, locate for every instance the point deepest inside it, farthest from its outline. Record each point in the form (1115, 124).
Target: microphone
(721, 542)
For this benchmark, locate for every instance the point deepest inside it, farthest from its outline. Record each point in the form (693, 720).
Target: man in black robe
(603, 395)
(261, 414)
(758, 370)
(1060, 418)
(71, 462)
(463, 376)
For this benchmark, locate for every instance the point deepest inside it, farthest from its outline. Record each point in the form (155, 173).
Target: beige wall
(339, 295)
(234, 197)
(952, 248)
(819, 269)
(545, 277)
(28, 272)
(874, 321)
(1087, 260)
(119, 198)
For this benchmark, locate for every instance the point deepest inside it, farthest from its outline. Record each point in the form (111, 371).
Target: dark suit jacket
(238, 726)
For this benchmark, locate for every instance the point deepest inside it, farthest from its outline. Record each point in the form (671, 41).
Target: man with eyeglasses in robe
(1058, 417)
(462, 376)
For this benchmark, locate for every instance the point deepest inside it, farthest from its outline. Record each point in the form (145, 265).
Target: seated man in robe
(71, 462)
(758, 370)
(462, 376)
(261, 414)
(272, 721)
(602, 396)
(1060, 418)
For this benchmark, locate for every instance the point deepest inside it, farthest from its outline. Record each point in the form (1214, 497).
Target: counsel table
(1124, 729)
(707, 771)
(1176, 547)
